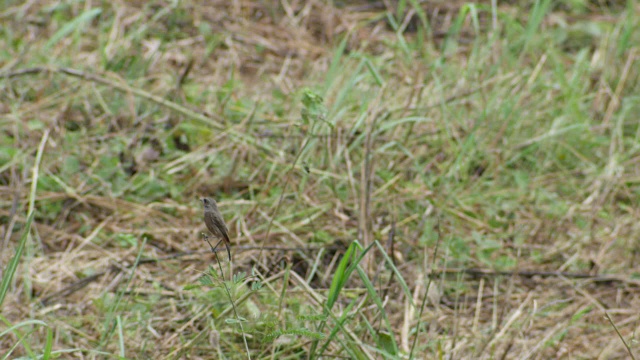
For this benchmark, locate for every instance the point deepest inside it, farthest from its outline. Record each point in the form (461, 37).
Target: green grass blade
(339, 326)
(71, 26)
(335, 69)
(48, 345)
(339, 277)
(10, 270)
(397, 273)
(373, 294)
(110, 322)
(22, 338)
(540, 9)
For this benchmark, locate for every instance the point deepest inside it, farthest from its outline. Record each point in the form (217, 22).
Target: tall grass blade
(10, 270)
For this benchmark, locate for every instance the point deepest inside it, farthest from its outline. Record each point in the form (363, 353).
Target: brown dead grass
(74, 264)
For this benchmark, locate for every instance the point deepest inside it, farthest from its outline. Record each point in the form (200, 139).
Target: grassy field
(400, 179)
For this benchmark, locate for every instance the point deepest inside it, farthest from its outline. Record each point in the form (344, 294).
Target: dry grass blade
(325, 129)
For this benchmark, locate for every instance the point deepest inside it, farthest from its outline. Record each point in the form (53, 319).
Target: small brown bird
(215, 223)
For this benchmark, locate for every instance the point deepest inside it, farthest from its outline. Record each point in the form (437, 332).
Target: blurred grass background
(361, 153)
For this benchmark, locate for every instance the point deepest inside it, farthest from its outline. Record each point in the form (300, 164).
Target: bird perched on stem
(215, 223)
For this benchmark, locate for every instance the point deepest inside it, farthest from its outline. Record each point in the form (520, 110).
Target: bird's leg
(213, 248)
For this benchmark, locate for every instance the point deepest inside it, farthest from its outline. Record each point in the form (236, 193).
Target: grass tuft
(401, 179)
